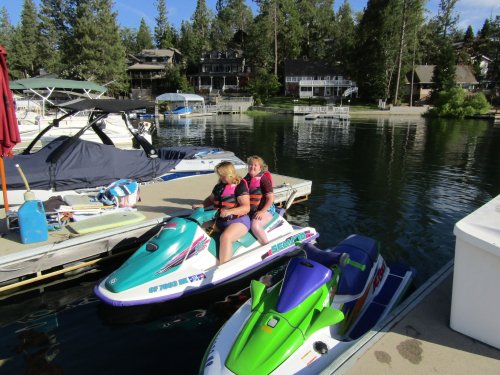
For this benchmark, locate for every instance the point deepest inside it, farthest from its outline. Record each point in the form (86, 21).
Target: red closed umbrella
(9, 131)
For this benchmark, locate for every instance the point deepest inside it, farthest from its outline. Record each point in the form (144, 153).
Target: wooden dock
(64, 251)
(315, 112)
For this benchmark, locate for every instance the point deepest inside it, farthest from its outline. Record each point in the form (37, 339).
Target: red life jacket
(225, 195)
(255, 189)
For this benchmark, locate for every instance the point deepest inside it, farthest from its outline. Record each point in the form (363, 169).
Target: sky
(130, 12)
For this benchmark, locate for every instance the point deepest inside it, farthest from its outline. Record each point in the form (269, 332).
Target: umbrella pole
(4, 186)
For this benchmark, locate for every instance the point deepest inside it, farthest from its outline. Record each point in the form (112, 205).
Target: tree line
(81, 39)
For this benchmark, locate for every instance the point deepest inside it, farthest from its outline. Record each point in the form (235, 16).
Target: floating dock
(417, 339)
(66, 251)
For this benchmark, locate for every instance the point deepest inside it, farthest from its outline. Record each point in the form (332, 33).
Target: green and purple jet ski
(323, 305)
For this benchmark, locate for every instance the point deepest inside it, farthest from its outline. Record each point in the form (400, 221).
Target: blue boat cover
(84, 164)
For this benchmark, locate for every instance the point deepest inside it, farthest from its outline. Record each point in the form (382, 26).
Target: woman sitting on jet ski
(231, 197)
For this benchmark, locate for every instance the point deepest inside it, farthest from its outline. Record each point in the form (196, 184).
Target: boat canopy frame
(181, 98)
(39, 86)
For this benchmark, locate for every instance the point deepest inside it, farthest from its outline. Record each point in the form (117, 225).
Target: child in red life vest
(231, 197)
(260, 185)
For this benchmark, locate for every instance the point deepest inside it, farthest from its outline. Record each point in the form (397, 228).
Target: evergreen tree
(195, 36)
(377, 47)
(232, 16)
(52, 29)
(466, 51)
(98, 54)
(290, 31)
(191, 46)
(344, 40)
(202, 18)
(6, 30)
(446, 17)
(144, 39)
(163, 32)
(318, 21)
(128, 37)
(483, 43)
(444, 72)
(24, 58)
(259, 48)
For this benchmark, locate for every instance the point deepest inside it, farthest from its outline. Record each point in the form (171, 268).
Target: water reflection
(404, 181)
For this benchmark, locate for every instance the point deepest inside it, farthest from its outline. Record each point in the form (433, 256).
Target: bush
(457, 103)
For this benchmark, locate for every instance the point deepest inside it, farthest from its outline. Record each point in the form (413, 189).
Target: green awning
(54, 83)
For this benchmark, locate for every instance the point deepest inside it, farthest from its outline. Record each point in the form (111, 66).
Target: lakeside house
(423, 80)
(315, 78)
(148, 69)
(221, 72)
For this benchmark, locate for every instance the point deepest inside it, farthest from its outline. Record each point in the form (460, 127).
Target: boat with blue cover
(181, 260)
(325, 303)
(68, 163)
(180, 110)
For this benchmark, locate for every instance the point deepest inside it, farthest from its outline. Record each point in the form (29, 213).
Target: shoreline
(391, 111)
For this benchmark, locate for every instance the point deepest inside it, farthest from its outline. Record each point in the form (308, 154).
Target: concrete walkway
(419, 340)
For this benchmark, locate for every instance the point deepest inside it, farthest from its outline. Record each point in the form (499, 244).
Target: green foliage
(458, 103)
(175, 80)
(232, 15)
(98, 54)
(24, 59)
(163, 32)
(345, 40)
(444, 72)
(263, 85)
(6, 29)
(144, 39)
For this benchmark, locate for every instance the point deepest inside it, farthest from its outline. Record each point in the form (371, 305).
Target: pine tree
(163, 32)
(202, 17)
(25, 62)
(446, 17)
(6, 30)
(232, 16)
(259, 48)
(195, 36)
(318, 20)
(344, 39)
(98, 54)
(144, 39)
(444, 72)
(128, 36)
(52, 29)
(377, 47)
(290, 31)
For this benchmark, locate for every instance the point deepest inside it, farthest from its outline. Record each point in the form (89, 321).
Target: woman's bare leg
(231, 234)
(257, 227)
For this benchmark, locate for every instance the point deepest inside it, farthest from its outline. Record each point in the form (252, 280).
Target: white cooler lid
(482, 227)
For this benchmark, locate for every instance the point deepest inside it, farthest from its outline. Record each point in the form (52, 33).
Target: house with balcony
(148, 69)
(221, 71)
(312, 79)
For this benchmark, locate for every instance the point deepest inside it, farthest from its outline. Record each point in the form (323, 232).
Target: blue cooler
(32, 222)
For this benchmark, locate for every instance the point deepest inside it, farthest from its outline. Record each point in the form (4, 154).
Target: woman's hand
(223, 213)
(259, 215)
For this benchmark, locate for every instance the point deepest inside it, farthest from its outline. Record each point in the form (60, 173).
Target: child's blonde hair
(226, 169)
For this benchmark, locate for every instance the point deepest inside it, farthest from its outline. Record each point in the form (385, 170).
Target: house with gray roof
(147, 70)
(423, 82)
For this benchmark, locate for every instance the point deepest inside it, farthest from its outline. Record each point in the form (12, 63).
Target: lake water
(405, 181)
